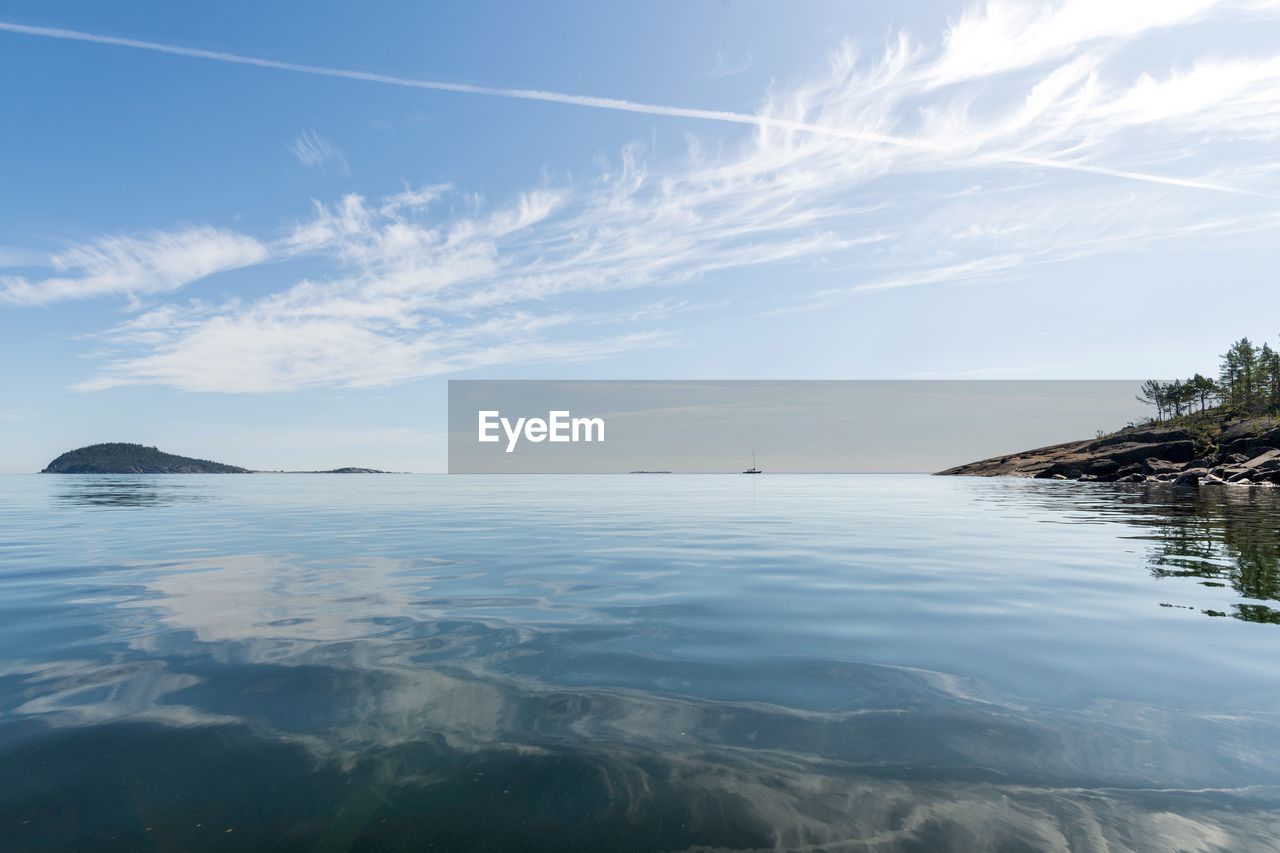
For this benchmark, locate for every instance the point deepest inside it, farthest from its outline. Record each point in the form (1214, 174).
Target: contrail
(615, 104)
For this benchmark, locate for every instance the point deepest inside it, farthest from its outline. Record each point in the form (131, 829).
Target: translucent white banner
(595, 426)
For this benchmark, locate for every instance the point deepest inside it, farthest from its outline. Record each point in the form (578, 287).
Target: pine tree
(1247, 359)
(1204, 388)
(1248, 381)
(1152, 393)
(1177, 396)
(1229, 376)
(1269, 367)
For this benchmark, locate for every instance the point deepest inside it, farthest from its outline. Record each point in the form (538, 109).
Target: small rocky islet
(126, 458)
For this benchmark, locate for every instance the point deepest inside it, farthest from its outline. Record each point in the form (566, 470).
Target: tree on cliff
(1177, 393)
(1269, 368)
(1153, 394)
(1203, 388)
(1239, 373)
(1248, 382)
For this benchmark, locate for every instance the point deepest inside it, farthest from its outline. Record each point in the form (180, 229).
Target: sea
(613, 663)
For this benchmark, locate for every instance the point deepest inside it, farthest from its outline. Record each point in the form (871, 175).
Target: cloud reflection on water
(357, 666)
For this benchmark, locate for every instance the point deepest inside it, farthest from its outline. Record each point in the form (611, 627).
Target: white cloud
(727, 66)
(1236, 97)
(136, 264)
(1004, 35)
(312, 149)
(995, 151)
(258, 351)
(989, 29)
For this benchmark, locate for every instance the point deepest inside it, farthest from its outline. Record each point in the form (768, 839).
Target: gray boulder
(1249, 446)
(1169, 451)
(1154, 465)
(1190, 478)
(1248, 429)
(1264, 458)
(1060, 471)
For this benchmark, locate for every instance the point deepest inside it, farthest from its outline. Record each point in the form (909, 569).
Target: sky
(268, 234)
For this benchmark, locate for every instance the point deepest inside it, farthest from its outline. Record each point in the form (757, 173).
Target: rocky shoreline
(1236, 453)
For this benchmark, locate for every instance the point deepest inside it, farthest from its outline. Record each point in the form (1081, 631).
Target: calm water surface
(331, 663)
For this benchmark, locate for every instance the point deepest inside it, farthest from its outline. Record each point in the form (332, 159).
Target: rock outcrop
(1243, 452)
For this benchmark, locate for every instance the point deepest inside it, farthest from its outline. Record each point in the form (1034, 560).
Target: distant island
(124, 458)
(1205, 432)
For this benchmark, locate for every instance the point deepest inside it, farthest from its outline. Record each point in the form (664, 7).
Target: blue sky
(280, 266)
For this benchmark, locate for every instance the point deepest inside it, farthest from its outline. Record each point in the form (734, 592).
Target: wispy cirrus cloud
(986, 31)
(312, 149)
(1236, 96)
(728, 66)
(1005, 35)
(1029, 135)
(131, 265)
(420, 297)
(258, 350)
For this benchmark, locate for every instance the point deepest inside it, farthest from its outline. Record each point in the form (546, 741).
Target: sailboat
(753, 469)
